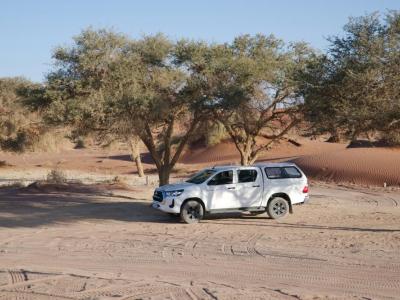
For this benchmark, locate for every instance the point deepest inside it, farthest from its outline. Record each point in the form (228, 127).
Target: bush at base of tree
(392, 138)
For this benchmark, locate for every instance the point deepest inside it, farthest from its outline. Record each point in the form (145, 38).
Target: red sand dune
(319, 160)
(227, 152)
(367, 166)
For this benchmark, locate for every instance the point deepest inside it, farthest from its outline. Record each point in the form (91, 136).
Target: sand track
(57, 245)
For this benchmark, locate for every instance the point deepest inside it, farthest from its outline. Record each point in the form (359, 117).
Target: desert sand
(322, 161)
(103, 241)
(375, 166)
(94, 243)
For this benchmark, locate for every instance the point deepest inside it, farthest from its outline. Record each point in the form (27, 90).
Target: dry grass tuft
(56, 176)
(52, 141)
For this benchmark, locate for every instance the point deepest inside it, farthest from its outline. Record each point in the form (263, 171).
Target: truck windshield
(201, 176)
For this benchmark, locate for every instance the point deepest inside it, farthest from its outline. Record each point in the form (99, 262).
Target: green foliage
(19, 128)
(9, 91)
(391, 138)
(354, 89)
(256, 86)
(106, 83)
(250, 85)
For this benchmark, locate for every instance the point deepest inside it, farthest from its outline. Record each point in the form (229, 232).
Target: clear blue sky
(29, 30)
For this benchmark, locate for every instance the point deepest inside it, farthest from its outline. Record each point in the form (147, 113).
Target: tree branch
(148, 140)
(183, 142)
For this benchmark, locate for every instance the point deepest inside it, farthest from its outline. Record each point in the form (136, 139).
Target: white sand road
(82, 244)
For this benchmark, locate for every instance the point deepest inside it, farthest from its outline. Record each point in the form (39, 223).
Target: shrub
(52, 141)
(9, 185)
(17, 143)
(80, 143)
(56, 176)
(19, 128)
(392, 138)
(215, 133)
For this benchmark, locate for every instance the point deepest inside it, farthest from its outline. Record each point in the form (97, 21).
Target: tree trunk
(253, 158)
(244, 159)
(134, 143)
(167, 161)
(335, 137)
(163, 175)
(139, 166)
(245, 155)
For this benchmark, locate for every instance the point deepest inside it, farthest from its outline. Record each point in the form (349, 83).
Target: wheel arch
(284, 196)
(195, 199)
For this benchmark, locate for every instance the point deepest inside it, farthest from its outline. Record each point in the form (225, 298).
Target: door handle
(256, 186)
(231, 188)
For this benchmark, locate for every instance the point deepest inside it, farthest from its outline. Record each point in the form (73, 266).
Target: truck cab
(272, 187)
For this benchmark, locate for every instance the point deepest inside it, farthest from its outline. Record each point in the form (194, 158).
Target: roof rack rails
(230, 164)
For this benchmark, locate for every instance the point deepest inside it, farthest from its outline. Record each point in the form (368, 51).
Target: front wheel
(277, 208)
(192, 212)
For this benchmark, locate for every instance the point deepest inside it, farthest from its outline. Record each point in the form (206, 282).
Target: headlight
(173, 193)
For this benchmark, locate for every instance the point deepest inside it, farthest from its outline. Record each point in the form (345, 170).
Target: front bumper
(168, 205)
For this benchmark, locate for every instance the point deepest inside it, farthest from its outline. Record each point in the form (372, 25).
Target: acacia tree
(109, 83)
(82, 90)
(166, 108)
(353, 90)
(252, 88)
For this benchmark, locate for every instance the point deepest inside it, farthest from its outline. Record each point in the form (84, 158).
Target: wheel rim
(193, 212)
(279, 208)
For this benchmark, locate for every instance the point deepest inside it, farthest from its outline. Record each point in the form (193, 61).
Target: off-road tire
(192, 212)
(277, 208)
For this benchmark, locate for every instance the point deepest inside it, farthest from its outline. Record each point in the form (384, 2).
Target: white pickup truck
(272, 187)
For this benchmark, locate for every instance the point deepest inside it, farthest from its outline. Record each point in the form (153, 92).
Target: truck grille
(158, 196)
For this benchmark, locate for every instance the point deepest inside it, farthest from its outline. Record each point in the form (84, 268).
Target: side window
(284, 172)
(224, 177)
(274, 173)
(247, 175)
(292, 172)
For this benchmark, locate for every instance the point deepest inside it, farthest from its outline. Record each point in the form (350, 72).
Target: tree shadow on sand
(26, 208)
(145, 157)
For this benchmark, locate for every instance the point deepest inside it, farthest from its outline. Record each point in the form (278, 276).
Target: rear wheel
(192, 212)
(277, 208)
